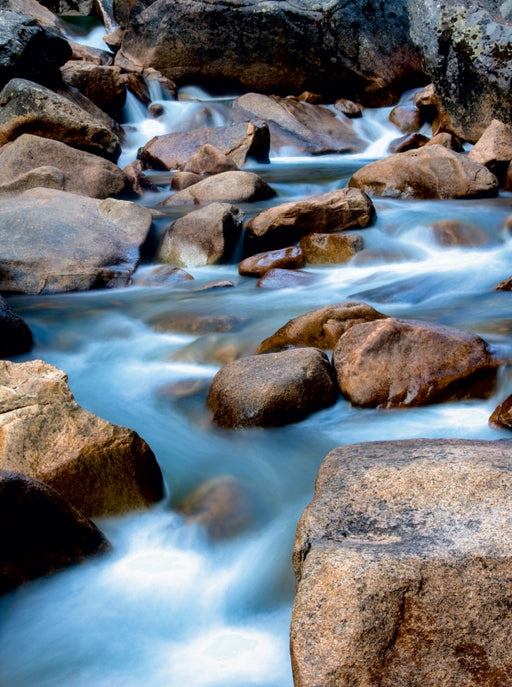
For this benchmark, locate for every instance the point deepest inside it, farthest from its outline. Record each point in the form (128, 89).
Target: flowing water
(168, 607)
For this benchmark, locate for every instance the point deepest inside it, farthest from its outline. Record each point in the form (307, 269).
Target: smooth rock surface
(284, 258)
(330, 249)
(228, 187)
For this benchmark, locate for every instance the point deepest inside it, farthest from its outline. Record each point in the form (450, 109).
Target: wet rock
(223, 506)
(320, 328)
(330, 249)
(210, 286)
(182, 180)
(165, 275)
(502, 415)
(407, 142)
(239, 142)
(466, 53)
(308, 128)
(259, 47)
(505, 285)
(77, 171)
(272, 389)
(202, 237)
(394, 363)
(407, 119)
(279, 278)
(494, 148)
(136, 178)
(209, 160)
(284, 258)
(98, 467)
(285, 224)
(40, 531)
(15, 335)
(403, 561)
(103, 85)
(455, 233)
(229, 187)
(349, 108)
(29, 50)
(427, 102)
(429, 172)
(27, 108)
(65, 242)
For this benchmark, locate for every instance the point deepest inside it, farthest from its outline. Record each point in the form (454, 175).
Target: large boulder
(239, 142)
(202, 237)
(494, 148)
(229, 187)
(15, 335)
(54, 241)
(287, 223)
(272, 389)
(428, 172)
(40, 532)
(104, 85)
(466, 52)
(100, 468)
(395, 363)
(28, 108)
(320, 328)
(23, 162)
(29, 50)
(304, 127)
(403, 563)
(359, 50)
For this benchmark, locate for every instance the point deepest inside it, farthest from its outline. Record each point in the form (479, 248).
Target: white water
(168, 608)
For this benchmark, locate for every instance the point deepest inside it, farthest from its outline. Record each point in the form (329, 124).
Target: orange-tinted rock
(408, 142)
(284, 258)
(502, 415)
(407, 119)
(349, 108)
(228, 187)
(330, 249)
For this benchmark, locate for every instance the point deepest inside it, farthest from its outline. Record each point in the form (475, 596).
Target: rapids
(169, 608)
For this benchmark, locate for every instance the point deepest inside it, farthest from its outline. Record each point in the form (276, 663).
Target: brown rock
(407, 142)
(403, 561)
(202, 237)
(447, 140)
(27, 108)
(228, 187)
(505, 285)
(222, 506)
(427, 102)
(349, 108)
(502, 415)
(272, 389)
(278, 278)
(98, 467)
(103, 85)
(209, 160)
(40, 531)
(330, 249)
(284, 258)
(68, 242)
(182, 180)
(407, 119)
(285, 224)
(320, 328)
(25, 161)
(455, 233)
(394, 363)
(137, 180)
(239, 142)
(429, 172)
(312, 129)
(308, 97)
(494, 148)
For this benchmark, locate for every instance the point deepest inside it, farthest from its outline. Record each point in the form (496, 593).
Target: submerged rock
(394, 363)
(100, 468)
(272, 389)
(40, 531)
(403, 561)
(54, 241)
(279, 278)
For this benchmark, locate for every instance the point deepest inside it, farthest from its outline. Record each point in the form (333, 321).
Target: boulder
(443, 138)
(27, 108)
(502, 415)
(229, 187)
(307, 128)
(202, 237)
(320, 328)
(54, 241)
(330, 249)
(272, 390)
(494, 148)
(349, 108)
(29, 50)
(104, 85)
(284, 258)
(428, 172)
(285, 224)
(79, 172)
(403, 563)
(360, 50)
(408, 142)
(279, 278)
(40, 531)
(209, 160)
(100, 468)
(466, 53)
(239, 142)
(15, 335)
(394, 363)
(407, 119)
(182, 180)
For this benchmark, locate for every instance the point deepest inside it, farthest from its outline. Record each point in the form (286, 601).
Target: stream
(168, 607)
